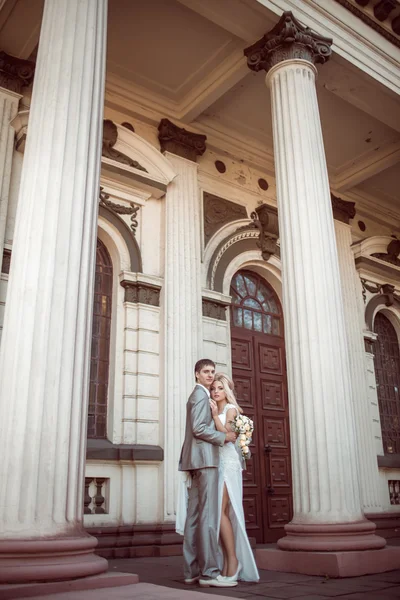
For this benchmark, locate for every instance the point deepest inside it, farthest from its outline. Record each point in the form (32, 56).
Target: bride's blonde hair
(229, 389)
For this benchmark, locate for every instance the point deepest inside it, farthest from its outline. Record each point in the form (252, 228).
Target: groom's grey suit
(200, 456)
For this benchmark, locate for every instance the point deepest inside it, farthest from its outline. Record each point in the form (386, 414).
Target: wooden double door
(259, 374)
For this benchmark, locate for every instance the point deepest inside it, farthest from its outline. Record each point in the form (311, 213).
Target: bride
(239, 562)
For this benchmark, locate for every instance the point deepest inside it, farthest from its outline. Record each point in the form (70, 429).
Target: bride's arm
(230, 415)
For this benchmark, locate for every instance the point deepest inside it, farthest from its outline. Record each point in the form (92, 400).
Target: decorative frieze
(265, 218)
(385, 289)
(219, 212)
(110, 137)
(366, 17)
(179, 141)
(120, 209)
(214, 309)
(288, 40)
(140, 292)
(15, 73)
(342, 209)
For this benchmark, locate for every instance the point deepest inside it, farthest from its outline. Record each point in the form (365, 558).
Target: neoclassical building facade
(183, 179)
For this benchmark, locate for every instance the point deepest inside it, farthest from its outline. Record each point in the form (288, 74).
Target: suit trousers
(200, 543)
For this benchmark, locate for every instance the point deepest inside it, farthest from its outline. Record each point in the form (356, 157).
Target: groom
(200, 456)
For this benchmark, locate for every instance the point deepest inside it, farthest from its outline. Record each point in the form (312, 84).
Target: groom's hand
(230, 437)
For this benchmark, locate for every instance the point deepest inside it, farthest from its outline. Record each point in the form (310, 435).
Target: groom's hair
(203, 362)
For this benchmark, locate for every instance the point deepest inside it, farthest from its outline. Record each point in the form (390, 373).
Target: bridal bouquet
(244, 428)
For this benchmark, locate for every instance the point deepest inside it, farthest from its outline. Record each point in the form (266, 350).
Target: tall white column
(351, 290)
(9, 101)
(44, 360)
(182, 294)
(327, 507)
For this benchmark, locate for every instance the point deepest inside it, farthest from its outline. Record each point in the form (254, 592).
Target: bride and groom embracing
(216, 549)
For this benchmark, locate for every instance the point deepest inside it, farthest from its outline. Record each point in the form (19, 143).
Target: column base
(56, 559)
(331, 564)
(331, 538)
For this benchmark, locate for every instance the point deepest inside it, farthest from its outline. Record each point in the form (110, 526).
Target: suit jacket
(200, 448)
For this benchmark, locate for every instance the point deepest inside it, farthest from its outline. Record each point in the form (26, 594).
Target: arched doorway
(100, 351)
(387, 371)
(259, 374)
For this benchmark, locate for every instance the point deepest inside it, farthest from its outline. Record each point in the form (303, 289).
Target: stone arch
(378, 304)
(157, 170)
(228, 245)
(132, 247)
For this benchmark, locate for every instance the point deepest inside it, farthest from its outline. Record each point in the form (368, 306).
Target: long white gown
(230, 473)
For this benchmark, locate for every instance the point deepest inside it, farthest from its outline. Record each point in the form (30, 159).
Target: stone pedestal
(182, 293)
(44, 360)
(328, 514)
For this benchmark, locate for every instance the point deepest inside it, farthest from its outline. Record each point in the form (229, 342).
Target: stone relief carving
(218, 212)
(110, 136)
(289, 39)
(140, 292)
(386, 289)
(120, 209)
(180, 141)
(392, 253)
(265, 219)
(214, 309)
(342, 209)
(15, 73)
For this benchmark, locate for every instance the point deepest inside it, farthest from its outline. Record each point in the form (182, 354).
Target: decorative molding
(342, 209)
(178, 140)
(15, 73)
(265, 219)
(5, 266)
(386, 289)
(140, 292)
(120, 209)
(101, 449)
(214, 309)
(236, 237)
(392, 253)
(289, 39)
(219, 212)
(110, 137)
(368, 20)
(369, 345)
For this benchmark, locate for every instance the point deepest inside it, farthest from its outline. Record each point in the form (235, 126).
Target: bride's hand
(214, 408)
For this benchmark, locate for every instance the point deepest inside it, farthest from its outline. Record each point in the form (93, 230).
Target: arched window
(254, 305)
(387, 370)
(100, 355)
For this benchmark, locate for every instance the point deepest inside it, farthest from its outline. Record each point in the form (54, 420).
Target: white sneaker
(219, 581)
(192, 580)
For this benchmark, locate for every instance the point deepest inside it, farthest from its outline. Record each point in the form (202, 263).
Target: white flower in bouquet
(244, 427)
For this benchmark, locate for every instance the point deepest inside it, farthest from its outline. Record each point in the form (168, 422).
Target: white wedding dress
(230, 473)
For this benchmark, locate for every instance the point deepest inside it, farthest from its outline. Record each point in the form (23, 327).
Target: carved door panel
(259, 374)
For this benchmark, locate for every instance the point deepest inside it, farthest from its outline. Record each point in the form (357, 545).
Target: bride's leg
(227, 537)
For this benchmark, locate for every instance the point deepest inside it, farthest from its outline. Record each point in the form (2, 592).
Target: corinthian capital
(289, 39)
(15, 73)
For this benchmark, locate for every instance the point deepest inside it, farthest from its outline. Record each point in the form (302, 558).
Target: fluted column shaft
(322, 429)
(9, 101)
(182, 311)
(44, 360)
(351, 289)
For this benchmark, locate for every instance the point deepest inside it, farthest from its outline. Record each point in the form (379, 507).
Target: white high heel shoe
(236, 575)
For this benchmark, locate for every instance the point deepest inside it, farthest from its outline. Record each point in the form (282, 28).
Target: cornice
(372, 208)
(352, 39)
